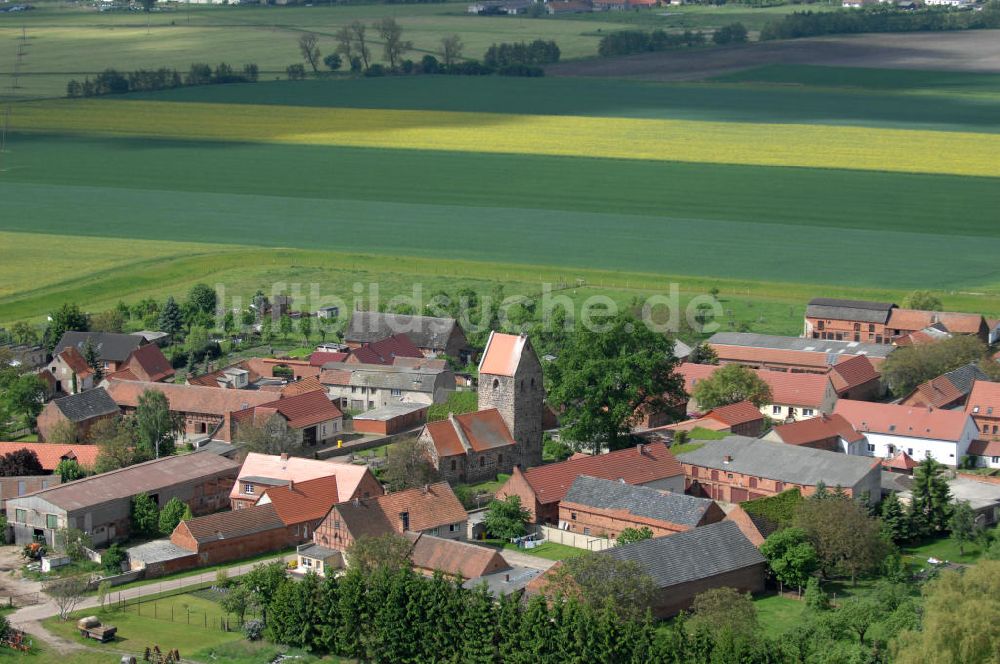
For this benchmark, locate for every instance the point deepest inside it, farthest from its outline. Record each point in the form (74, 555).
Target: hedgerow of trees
(112, 81)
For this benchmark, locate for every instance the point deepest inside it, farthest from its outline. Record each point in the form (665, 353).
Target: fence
(575, 539)
(18, 601)
(174, 609)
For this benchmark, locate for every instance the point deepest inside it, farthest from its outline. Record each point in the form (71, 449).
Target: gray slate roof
(695, 554)
(423, 379)
(778, 461)
(638, 500)
(390, 411)
(963, 377)
(423, 331)
(859, 310)
(85, 405)
(157, 551)
(109, 346)
(774, 342)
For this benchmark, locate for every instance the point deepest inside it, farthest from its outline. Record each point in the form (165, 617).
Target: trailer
(90, 627)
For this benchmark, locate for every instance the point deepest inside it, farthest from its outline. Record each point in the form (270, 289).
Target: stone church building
(506, 431)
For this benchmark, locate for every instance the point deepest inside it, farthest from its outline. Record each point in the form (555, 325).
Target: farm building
(686, 564)
(260, 472)
(360, 387)
(601, 508)
(949, 390)
(542, 488)
(310, 418)
(433, 336)
(145, 363)
(71, 373)
(826, 432)
(736, 469)
(983, 406)
(101, 505)
(112, 349)
(391, 419)
(81, 411)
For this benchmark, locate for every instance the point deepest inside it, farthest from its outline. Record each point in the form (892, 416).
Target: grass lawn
(43, 653)
(490, 486)
(549, 550)
(245, 652)
(944, 548)
(136, 632)
(776, 613)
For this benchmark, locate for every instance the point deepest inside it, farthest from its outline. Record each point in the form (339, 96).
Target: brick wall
(599, 522)
(517, 485)
(670, 601)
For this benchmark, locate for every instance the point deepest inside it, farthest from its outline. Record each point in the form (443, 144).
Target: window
(496, 384)
(572, 515)
(986, 428)
(307, 562)
(871, 327)
(454, 464)
(586, 531)
(51, 521)
(909, 450)
(396, 393)
(871, 447)
(482, 461)
(994, 428)
(857, 327)
(336, 524)
(20, 516)
(499, 458)
(807, 411)
(22, 487)
(821, 325)
(729, 475)
(776, 410)
(248, 488)
(995, 459)
(452, 527)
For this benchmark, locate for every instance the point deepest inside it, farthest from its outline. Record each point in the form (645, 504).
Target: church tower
(510, 380)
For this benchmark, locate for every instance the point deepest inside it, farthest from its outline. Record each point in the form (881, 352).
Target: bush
(112, 559)
(777, 510)
(430, 65)
(538, 52)
(375, 71)
(528, 71)
(295, 72)
(333, 61)
(253, 630)
(734, 33)
(638, 41)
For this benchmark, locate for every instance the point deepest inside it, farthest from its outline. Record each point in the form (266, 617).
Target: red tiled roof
(898, 420)
(453, 557)
(815, 429)
(75, 361)
(937, 392)
(985, 448)
(386, 350)
(735, 413)
(188, 398)
(787, 388)
(502, 354)
(484, 430)
(852, 372)
(902, 461)
(984, 399)
(298, 469)
(124, 374)
(301, 502)
(641, 464)
(692, 373)
(310, 384)
(301, 410)
(150, 363)
(746, 525)
(911, 320)
(754, 355)
(335, 377)
(427, 507)
(50, 454)
(228, 525)
(319, 358)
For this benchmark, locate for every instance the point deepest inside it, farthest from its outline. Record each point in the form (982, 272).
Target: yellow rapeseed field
(812, 146)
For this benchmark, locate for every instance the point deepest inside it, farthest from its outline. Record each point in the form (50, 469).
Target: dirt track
(972, 50)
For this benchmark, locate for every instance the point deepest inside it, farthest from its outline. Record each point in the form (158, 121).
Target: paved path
(526, 560)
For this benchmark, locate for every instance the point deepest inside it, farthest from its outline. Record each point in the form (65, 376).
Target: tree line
(880, 18)
(112, 81)
(626, 42)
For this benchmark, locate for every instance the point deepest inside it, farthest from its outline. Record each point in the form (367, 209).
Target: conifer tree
(895, 522)
(478, 627)
(931, 495)
(171, 318)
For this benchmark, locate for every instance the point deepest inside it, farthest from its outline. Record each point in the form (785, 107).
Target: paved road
(526, 560)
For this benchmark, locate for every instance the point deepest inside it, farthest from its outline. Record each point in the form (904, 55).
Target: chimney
(506, 578)
(404, 518)
(356, 501)
(727, 459)
(284, 456)
(425, 489)
(291, 485)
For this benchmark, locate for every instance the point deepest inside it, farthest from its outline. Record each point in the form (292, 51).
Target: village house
(794, 396)
(543, 487)
(736, 469)
(686, 564)
(920, 432)
(101, 505)
(832, 433)
(310, 417)
(361, 387)
(260, 472)
(604, 508)
(433, 336)
(506, 431)
(204, 411)
(883, 322)
(79, 411)
(145, 363)
(949, 390)
(983, 405)
(385, 351)
(71, 372)
(112, 349)
(431, 509)
(283, 516)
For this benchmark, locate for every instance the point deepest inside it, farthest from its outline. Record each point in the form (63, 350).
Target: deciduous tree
(451, 49)
(962, 524)
(847, 540)
(630, 535)
(69, 470)
(271, 436)
(730, 384)
(156, 426)
(203, 298)
(393, 44)
(66, 593)
(20, 462)
(923, 300)
(67, 318)
(724, 609)
(360, 42)
(598, 580)
(145, 515)
(506, 519)
(309, 47)
(909, 366)
(386, 552)
(171, 515)
(605, 373)
(408, 466)
(791, 556)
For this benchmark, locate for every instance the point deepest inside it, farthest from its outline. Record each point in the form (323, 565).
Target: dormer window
(975, 409)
